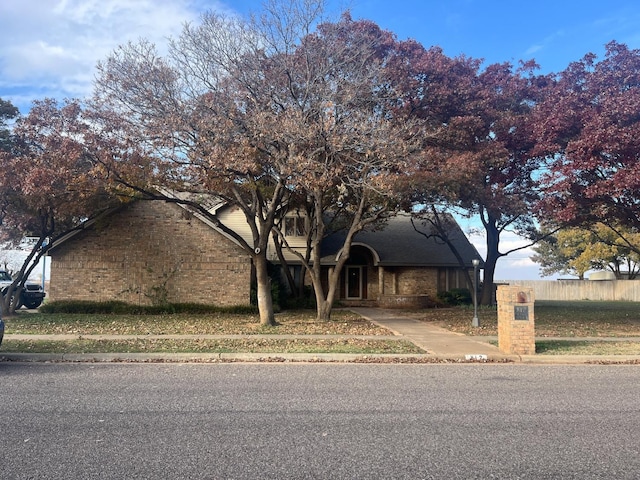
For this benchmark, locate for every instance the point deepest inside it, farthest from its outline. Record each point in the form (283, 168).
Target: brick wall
(516, 320)
(411, 281)
(147, 252)
(418, 281)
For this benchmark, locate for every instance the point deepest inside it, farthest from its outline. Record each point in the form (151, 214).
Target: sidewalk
(440, 346)
(447, 345)
(435, 340)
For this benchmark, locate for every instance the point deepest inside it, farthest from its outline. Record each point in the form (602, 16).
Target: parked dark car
(32, 293)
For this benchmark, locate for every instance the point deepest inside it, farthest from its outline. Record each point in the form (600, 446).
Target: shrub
(122, 308)
(456, 296)
(306, 300)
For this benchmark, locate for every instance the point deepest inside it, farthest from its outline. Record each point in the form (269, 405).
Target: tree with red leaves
(48, 183)
(590, 130)
(477, 158)
(504, 181)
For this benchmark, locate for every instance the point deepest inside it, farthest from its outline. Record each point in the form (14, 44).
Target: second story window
(294, 227)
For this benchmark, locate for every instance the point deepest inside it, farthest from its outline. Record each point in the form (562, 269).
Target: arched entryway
(357, 275)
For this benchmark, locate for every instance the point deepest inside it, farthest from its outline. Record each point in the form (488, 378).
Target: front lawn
(303, 322)
(342, 325)
(578, 347)
(552, 319)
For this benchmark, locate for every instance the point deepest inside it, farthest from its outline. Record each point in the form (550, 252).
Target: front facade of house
(151, 252)
(396, 266)
(365, 282)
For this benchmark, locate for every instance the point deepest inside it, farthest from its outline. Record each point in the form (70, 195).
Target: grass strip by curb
(573, 347)
(353, 346)
(586, 347)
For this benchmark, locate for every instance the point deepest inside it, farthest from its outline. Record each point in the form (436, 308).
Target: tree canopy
(49, 182)
(575, 251)
(478, 158)
(590, 130)
(269, 116)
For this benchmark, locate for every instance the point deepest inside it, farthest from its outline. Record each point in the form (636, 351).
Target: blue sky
(49, 47)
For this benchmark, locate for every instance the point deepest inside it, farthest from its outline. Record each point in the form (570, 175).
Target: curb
(317, 358)
(211, 357)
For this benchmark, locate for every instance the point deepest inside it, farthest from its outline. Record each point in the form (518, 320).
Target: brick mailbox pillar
(516, 332)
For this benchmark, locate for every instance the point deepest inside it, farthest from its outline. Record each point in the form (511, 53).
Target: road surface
(318, 421)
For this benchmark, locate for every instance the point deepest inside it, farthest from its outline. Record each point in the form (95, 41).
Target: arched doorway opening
(357, 274)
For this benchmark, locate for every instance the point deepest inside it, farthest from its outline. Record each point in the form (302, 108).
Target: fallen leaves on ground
(551, 319)
(343, 322)
(247, 345)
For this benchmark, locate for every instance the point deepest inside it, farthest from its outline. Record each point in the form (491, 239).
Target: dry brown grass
(552, 319)
(303, 322)
(225, 345)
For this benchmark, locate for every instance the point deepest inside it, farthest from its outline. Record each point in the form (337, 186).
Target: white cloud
(515, 266)
(52, 47)
(533, 49)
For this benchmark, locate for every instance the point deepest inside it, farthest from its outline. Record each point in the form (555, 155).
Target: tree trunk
(323, 307)
(265, 302)
(326, 306)
(324, 311)
(493, 240)
(5, 306)
(10, 300)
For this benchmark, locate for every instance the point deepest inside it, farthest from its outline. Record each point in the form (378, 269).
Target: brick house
(152, 252)
(149, 252)
(395, 265)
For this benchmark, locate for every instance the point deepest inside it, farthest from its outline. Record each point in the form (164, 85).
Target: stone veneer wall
(150, 252)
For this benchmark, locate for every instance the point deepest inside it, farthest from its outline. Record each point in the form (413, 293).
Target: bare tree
(209, 114)
(263, 112)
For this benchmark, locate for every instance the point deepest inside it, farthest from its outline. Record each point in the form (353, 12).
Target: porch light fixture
(475, 322)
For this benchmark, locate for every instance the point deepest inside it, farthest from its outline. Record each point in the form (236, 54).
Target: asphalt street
(320, 421)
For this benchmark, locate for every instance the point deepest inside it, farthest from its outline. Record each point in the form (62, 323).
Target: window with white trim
(294, 227)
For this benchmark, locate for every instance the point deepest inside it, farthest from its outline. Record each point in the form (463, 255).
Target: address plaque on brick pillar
(521, 312)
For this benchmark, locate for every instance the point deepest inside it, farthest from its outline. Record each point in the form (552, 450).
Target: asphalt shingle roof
(397, 243)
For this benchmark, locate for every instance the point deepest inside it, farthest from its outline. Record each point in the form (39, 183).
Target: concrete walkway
(435, 340)
(446, 345)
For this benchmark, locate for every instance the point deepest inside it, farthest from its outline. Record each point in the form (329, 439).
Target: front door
(354, 282)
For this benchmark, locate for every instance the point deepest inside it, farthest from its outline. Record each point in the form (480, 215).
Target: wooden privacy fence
(604, 290)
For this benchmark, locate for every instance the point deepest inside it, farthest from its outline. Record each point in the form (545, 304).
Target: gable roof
(394, 243)
(212, 203)
(397, 243)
